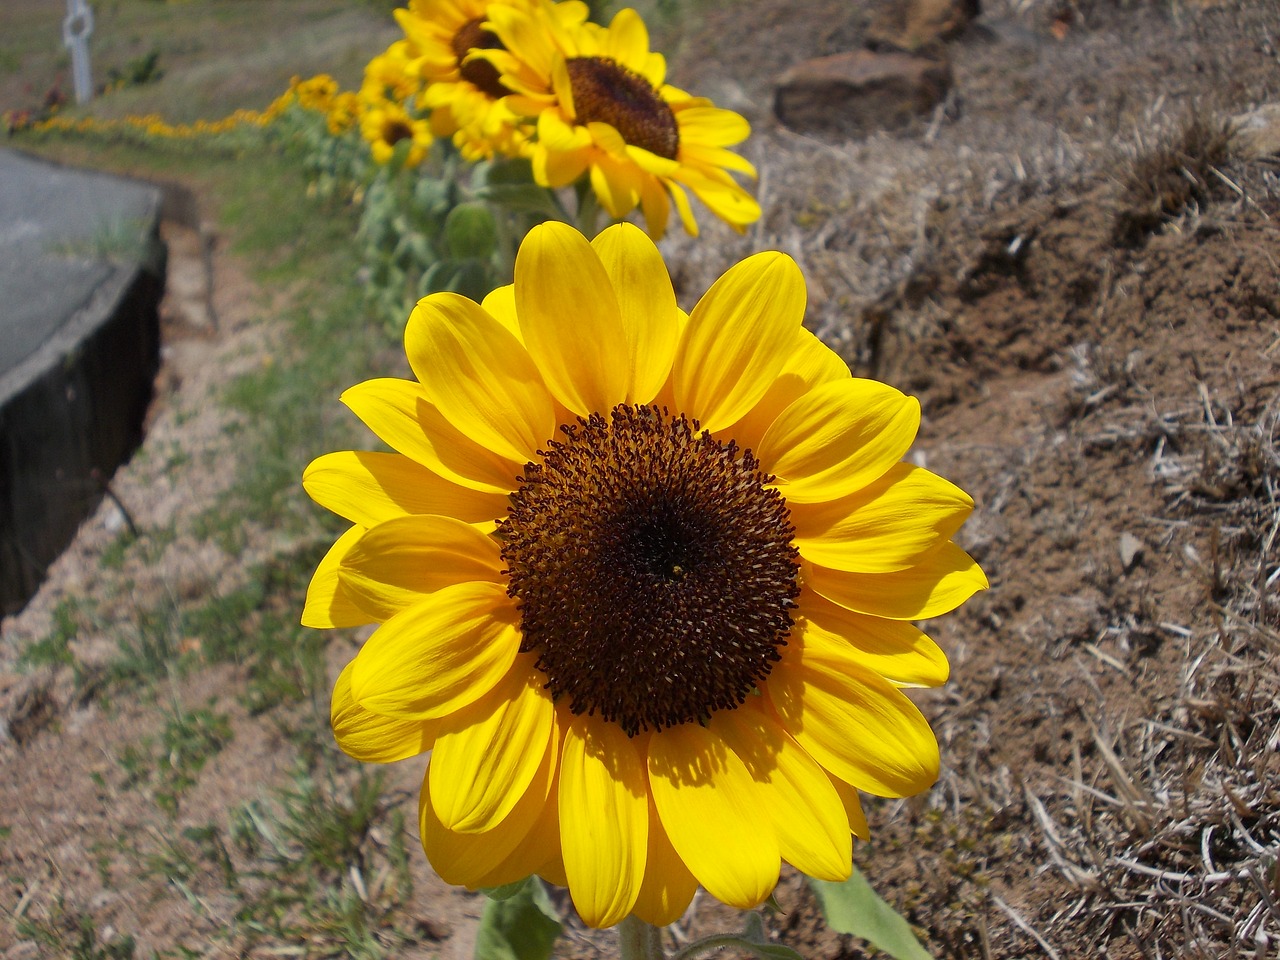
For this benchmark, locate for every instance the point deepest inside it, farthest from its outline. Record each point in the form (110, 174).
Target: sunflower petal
(398, 412)
(368, 488)
(488, 753)
(938, 583)
(852, 809)
(647, 305)
(479, 376)
(604, 820)
(583, 356)
(808, 817)
(371, 738)
(395, 563)
(895, 649)
(472, 859)
(885, 527)
(838, 437)
(438, 655)
(712, 810)
(851, 720)
(738, 338)
(328, 603)
(668, 886)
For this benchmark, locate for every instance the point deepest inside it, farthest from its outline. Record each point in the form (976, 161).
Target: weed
(55, 649)
(1163, 179)
(74, 935)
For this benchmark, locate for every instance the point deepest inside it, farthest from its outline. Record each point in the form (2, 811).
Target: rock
(859, 92)
(919, 24)
(1258, 132)
(1130, 550)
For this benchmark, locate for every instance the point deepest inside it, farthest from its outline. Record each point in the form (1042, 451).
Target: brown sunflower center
(653, 569)
(393, 131)
(481, 73)
(607, 92)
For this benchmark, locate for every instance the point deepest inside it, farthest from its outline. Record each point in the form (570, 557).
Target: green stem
(639, 940)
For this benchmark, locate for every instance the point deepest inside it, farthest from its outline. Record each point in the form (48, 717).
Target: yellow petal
(473, 859)
(895, 649)
(371, 738)
(807, 815)
(569, 316)
(852, 809)
(500, 303)
(838, 438)
(938, 583)
(479, 376)
(647, 305)
(439, 655)
(627, 39)
(852, 721)
(398, 412)
(368, 488)
(328, 602)
(488, 753)
(712, 810)
(538, 853)
(668, 886)
(395, 563)
(738, 339)
(604, 820)
(809, 363)
(885, 527)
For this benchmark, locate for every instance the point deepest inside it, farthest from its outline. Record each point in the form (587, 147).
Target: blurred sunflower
(602, 107)
(644, 581)
(385, 124)
(464, 93)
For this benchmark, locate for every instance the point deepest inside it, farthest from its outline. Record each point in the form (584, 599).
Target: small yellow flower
(386, 124)
(644, 580)
(603, 109)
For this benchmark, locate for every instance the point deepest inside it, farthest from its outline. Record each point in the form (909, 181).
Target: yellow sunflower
(464, 94)
(602, 107)
(643, 581)
(385, 124)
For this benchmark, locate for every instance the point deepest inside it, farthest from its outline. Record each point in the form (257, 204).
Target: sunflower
(385, 124)
(602, 107)
(643, 581)
(464, 94)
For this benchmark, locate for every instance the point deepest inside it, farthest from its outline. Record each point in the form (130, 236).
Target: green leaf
(853, 907)
(470, 231)
(524, 926)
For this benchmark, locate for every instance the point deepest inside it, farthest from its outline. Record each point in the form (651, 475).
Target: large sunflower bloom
(644, 582)
(602, 108)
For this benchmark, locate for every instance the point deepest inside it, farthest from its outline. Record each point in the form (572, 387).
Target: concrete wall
(70, 414)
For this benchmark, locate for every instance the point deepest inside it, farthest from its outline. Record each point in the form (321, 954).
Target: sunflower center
(653, 569)
(480, 73)
(393, 131)
(607, 92)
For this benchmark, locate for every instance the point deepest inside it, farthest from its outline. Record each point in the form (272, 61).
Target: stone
(919, 24)
(859, 92)
(1257, 133)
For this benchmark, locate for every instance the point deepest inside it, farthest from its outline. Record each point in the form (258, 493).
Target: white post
(75, 34)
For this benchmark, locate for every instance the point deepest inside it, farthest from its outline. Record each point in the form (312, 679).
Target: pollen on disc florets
(604, 91)
(479, 72)
(653, 569)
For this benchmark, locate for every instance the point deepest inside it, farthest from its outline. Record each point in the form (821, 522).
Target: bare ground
(1101, 372)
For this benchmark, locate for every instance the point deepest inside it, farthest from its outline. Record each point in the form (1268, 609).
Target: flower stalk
(638, 940)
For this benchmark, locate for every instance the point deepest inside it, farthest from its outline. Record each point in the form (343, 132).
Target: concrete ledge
(80, 372)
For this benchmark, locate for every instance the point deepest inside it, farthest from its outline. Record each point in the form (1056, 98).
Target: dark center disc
(653, 569)
(607, 92)
(481, 73)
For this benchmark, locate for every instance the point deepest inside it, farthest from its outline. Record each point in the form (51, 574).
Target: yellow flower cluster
(537, 79)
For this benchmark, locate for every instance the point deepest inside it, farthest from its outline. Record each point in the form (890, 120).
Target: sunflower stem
(639, 940)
